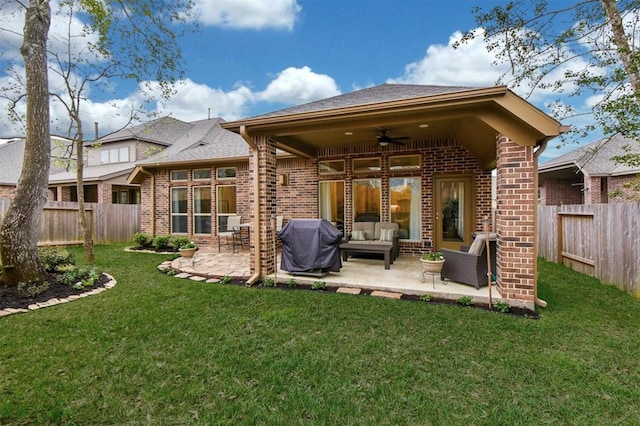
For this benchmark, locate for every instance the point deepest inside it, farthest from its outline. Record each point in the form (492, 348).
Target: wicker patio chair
(469, 265)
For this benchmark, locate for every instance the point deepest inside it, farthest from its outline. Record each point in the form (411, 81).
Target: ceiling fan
(384, 140)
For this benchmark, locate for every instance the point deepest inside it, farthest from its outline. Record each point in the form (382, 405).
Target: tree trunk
(85, 227)
(21, 225)
(622, 44)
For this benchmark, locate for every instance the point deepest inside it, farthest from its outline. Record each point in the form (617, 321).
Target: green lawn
(160, 350)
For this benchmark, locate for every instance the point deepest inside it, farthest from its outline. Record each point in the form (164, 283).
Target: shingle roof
(382, 93)
(93, 173)
(11, 157)
(162, 131)
(204, 140)
(594, 159)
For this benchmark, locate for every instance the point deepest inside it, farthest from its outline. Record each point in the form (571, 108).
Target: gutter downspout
(153, 199)
(256, 203)
(536, 155)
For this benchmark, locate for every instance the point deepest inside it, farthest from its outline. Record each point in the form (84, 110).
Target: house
(110, 159)
(589, 175)
(420, 156)
(12, 157)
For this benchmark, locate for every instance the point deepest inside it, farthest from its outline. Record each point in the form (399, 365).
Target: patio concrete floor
(404, 276)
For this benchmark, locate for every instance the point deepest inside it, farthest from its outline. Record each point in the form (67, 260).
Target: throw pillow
(357, 236)
(386, 234)
(477, 245)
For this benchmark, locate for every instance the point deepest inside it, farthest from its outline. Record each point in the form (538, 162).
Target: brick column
(515, 222)
(267, 196)
(104, 193)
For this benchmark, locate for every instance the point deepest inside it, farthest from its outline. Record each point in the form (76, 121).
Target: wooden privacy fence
(602, 240)
(111, 223)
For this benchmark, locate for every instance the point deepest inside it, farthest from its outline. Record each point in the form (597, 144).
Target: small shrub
(425, 298)
(55, 258)
(142, 239)
(161, 242)
(180, 242)
(292, 283)
(501, 306)
(318, 285)
(268, 282)
(80, 278)
(32, 289)
(465, 300)
(225, 280)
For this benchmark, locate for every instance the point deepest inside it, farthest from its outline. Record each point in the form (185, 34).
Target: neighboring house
(111, 158)
(421, 156)
(589, 175)
(12, 157)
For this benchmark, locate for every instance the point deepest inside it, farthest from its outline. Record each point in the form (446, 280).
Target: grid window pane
(366, 200)
(179, 224)
(202, 174)
(124, 154)
(179, 200)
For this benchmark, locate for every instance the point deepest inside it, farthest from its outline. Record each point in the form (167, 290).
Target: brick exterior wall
(597, 190)
(556, 192)
(516, 222)
(7, 191)
(158, 222)
(621, 189)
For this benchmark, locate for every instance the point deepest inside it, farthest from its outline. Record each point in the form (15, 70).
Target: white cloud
(12, 18)
(194, 101)
(248, 14)
(468, 65)
(299, 85)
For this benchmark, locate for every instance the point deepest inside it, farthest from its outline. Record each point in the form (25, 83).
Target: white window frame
(179, 171)
(185, 214)
(193, 209)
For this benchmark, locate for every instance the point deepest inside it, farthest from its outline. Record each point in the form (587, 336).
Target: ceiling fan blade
(398, 141)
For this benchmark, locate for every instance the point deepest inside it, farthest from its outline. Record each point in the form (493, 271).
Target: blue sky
(255, 56)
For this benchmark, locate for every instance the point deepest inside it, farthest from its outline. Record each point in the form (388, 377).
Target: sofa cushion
(358, 235)
(367, 227)
(380, 243)
(384, 225)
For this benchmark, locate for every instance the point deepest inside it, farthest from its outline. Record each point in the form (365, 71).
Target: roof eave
(264, 123)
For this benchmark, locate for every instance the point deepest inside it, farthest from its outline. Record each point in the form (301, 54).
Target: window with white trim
(179, 220)
(202, 210)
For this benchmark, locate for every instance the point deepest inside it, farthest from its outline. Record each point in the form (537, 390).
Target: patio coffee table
(349, 249)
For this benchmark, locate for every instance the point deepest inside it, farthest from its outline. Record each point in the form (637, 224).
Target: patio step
(348, 290)
(386, 294)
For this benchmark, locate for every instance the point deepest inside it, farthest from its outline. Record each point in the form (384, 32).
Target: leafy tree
(19, 230)
(125, 39)
(584, 49)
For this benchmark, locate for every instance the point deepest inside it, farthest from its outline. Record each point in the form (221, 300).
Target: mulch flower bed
(11, 297)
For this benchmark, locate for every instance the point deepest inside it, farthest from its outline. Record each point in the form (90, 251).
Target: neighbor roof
(162, 131)
(11, 157)
(595, 159)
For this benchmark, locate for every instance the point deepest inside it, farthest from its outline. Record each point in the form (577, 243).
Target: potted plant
(188, 249)
(432, 262)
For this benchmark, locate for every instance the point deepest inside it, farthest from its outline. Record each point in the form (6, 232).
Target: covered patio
(420, 156)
